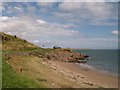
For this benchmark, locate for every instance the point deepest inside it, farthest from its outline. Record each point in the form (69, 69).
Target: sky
(85, 25)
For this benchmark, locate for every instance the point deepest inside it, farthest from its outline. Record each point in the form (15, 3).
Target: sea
(104, 61)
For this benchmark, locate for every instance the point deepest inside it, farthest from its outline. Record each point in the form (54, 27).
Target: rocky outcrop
(64, 55)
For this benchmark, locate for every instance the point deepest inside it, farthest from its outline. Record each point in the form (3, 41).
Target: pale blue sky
(68, 24)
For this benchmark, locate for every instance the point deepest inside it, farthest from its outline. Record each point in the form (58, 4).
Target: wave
(90, 67)
(85, 66)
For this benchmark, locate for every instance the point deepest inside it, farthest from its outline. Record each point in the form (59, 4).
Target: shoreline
(88, 76)
(90, 67)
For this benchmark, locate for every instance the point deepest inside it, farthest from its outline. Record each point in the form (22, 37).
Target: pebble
(52, 84)
(82, 77)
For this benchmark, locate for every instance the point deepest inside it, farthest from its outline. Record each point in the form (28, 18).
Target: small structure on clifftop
(56, 47)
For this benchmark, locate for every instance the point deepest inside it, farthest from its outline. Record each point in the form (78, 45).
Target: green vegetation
(12, 46)
(10, 42)
(11, 79)
(0, 69)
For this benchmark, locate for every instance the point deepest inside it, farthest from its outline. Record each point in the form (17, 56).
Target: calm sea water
(105, 61)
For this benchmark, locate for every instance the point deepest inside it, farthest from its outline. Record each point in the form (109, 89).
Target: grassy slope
(11, 79)
(0, 69)
(10, 42)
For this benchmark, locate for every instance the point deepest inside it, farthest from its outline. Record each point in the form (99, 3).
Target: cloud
(68, 6)
(99, 10)
(47, 1)
(92, 13)
(18, 8)
(45, 4)
(32, 30)
(91, 1)
(4, 18)
(10, 9)
(68, 12)
(61, 0)
(9, 33)
(36, 41)
(85, 0)
(41, 21)
(0, 6)
(115, 32)
(95, 8)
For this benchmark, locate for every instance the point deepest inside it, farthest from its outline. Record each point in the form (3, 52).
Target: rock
(43, 80)
(82, 77)
(52, 84)
(21, 69)
(48, 57)
(74, 77)
(88, 83)
(64, 55)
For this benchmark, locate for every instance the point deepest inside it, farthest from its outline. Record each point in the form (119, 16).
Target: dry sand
(88, 76)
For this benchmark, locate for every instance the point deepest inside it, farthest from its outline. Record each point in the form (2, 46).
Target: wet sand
(88, 76)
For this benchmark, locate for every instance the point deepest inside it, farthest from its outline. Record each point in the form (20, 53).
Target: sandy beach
(86, 76)
(57, 74)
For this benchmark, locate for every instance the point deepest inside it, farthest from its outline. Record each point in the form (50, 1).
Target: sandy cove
(89, 77)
